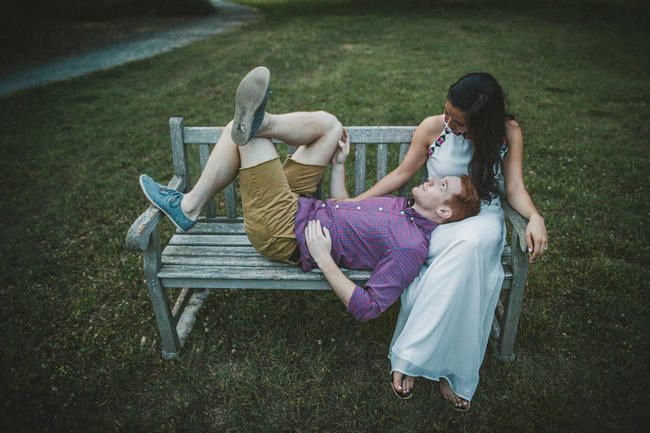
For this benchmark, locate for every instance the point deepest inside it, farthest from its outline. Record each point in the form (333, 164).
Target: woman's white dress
(446, 313)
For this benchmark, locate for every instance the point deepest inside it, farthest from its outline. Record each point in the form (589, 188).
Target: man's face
(433, 194)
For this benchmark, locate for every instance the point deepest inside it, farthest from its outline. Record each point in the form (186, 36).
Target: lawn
(81, 351)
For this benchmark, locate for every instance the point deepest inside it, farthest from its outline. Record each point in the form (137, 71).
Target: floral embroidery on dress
(504, 148)
(437, 143)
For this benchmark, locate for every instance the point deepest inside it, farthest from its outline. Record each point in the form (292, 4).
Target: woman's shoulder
(433, 124)
(512, 125)
(513, 131)
(431, 127)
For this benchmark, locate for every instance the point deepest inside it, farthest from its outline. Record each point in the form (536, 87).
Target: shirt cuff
(359, 305)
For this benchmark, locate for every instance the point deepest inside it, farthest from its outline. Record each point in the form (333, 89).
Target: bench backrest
(360, 136)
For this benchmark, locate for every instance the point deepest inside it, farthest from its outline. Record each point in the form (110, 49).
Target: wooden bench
(216, 253)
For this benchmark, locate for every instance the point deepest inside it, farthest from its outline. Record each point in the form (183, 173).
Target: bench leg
(159, 300)
(512, 311)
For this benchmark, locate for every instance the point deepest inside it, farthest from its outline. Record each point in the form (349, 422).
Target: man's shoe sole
(251, 93)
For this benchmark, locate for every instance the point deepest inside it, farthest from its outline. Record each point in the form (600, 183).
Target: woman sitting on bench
(446, 313)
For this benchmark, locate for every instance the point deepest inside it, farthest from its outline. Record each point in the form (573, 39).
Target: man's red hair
(466, 203)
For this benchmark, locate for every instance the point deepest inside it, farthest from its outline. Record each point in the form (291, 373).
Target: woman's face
(455, 119)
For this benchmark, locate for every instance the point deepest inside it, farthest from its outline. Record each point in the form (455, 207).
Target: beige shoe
(250, 104)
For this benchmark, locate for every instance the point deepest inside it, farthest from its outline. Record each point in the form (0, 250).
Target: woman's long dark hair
(481, 98)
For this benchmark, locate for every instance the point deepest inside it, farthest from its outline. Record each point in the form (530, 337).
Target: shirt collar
(418, 219)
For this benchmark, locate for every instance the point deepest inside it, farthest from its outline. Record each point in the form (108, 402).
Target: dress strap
(441, 138)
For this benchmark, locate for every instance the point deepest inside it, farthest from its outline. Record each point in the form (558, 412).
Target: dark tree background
(19, 10)
(34, 32)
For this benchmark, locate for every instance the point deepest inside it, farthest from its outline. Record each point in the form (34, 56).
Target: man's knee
(331, 124)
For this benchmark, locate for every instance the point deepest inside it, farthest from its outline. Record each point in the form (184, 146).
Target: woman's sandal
(403, 396)
(458, 408)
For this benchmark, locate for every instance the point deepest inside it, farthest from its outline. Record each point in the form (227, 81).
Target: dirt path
(64, 50)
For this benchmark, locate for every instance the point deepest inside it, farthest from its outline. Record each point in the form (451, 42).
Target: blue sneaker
(167, 200)
(250, 104)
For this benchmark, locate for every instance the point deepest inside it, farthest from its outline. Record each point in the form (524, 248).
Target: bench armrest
(519, 223)
(137, 238)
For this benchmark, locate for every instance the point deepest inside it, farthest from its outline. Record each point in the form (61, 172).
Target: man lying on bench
(389, 235)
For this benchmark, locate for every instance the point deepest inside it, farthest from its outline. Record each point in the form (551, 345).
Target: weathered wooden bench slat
(204, 154)
(207, 251)
(255, 273)
(209, 268)
(216, 253)
(382, 160)
(279, 277)
(231, 201)
(358, 134)
(403, 148)
(218, 227)
(247, 249)
(223, 240)
(231, 262)
(207, 246)
(245, 283)
(359, 168)
(257, 277)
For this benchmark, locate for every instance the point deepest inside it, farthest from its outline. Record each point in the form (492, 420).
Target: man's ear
(444, 212)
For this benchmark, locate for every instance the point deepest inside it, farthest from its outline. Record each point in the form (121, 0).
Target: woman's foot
(402, 385)
(449, 395)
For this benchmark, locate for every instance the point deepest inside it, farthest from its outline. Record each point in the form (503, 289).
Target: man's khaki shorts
(270, 194)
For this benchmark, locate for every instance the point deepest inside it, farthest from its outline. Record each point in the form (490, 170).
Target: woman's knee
(469, 240)
(485, 238)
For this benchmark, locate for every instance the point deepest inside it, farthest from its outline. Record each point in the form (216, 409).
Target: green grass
(81, 351)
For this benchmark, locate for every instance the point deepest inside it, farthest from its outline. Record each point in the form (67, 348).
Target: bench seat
(216, 253)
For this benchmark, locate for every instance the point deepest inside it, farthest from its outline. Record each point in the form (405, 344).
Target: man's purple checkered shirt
(383, 234)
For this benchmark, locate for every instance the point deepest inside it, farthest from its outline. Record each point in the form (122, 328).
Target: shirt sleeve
(394, 272)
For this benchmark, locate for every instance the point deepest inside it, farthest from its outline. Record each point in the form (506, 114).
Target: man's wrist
(323, 261)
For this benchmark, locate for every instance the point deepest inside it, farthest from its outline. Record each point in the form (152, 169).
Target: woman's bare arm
(337, 179)
(518, 197)
(415, 158)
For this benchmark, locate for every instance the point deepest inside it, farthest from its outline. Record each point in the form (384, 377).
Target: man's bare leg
(450, 395)
(314, 133)
(219, 171)
(257, 151)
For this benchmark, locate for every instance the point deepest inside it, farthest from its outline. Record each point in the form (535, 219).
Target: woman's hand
(343, 149)
(536, 237)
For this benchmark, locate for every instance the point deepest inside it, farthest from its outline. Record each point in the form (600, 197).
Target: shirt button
(401, 212)
(381, 209)
(337, 206)
(411, 218)
(323, 205)
(359, 207)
